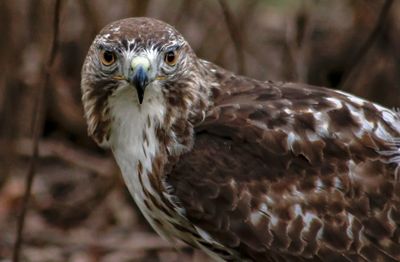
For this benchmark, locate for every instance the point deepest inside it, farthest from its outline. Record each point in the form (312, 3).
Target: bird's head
(135, 60)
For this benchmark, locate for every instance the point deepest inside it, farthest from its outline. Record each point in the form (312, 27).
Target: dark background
(79, 209)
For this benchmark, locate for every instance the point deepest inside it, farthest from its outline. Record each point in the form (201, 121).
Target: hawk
(240, 168)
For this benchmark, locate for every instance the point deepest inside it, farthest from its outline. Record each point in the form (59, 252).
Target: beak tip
(139, 80)
(140, 95)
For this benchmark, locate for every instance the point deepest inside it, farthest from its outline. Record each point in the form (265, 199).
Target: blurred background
(79, 209)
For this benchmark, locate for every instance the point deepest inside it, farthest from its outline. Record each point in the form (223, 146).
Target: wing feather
(293, 172)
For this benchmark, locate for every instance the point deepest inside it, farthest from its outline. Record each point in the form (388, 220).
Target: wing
(285, 172)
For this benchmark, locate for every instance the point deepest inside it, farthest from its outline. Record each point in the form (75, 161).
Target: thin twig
(138, 241)
(184, 10)
(10, 98)
(367, 44)
(38, 118)
(235, 35)
(69, 153)
(139, 7)
(298, 40)
(91, 16)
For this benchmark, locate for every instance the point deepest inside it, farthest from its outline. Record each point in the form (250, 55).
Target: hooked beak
(138, 75)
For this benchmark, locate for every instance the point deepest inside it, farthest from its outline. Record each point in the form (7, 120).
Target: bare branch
(367, 44)
(139, 241)
(236, 36)
(91, 16)
(67, 152)
(184, 10)
(38, 119)
(298, 41)
(139, 7)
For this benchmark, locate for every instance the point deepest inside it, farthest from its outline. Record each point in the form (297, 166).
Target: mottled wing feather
(284, 172)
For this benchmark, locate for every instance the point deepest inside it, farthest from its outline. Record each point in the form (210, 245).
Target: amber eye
(171, 58)
(107, 57)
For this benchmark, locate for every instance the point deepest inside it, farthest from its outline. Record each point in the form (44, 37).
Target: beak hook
(140, 81)
(139, 78)
(139, 67)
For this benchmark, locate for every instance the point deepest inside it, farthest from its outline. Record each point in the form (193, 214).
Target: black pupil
(108, 56)
(170, 57)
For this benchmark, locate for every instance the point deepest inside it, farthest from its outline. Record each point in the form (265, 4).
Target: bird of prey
(240, 168)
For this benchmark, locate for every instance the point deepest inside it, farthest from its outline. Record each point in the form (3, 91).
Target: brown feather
(246, 170)
(242, 157)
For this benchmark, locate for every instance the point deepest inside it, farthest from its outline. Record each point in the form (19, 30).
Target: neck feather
(145, 137)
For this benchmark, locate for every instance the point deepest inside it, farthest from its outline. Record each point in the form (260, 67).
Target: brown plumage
(240, 168)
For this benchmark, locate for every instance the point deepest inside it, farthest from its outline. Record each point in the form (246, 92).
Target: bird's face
(135, 54)
(136, 64)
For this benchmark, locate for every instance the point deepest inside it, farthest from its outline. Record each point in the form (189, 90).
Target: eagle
(240, 168)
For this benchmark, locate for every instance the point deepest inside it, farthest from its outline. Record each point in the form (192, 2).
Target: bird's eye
(171, 57)
(107, 57)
